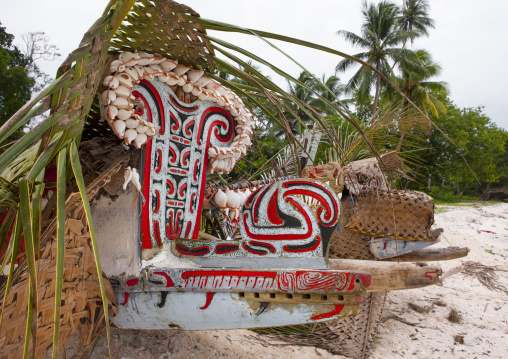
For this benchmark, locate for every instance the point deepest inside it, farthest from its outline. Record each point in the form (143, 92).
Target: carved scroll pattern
(176, 161)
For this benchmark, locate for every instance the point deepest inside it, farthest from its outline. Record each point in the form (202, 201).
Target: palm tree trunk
(442, 186)
(378, 88)
(400, 142)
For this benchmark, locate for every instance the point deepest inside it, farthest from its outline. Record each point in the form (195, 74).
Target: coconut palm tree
(414, 17)
(380, 38)
(301, 93)
(331, 91)
(415, 85)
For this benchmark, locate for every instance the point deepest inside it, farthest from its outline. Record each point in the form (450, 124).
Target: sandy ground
(422, 331)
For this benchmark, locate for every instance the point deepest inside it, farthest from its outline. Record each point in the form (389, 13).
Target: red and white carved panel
(276, 221)
(176, 160)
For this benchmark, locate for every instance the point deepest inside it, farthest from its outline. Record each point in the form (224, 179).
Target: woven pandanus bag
(393, 213)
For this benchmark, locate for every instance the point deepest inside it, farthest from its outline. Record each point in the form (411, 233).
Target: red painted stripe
(230, 273)
(209, 297)
(188, 110)
(173, 157)
(192, 251)
(187, 230)
(248, 203)
(260, 197)
(196, 170)
(213, 124)
(157, 233)
(264, 246)
(429, 276)
(172, 228)
(184, 186)
(226, 248)
(191, 199)
(366, 279)
(125, 298)
(146, 242)
(158, 204)
(176, 124)
(352, 284)
(273, 216)
(320, 199)
(162, 130)
(171, 187)
(132, 282)
(169, 281)
(256, 251)
(335, 311)
(286, 249)
(184, 158)
(177, 171)
(187, 128)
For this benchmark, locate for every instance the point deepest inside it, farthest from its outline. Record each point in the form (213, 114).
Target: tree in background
(414, 17)
(381, 38)
(480, 141)
(20, 76)
(15, 83)
(36, 47)
(297, 118)
(415, 85)
(332, 90)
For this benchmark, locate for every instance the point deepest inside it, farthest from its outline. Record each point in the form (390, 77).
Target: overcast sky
(470, 40)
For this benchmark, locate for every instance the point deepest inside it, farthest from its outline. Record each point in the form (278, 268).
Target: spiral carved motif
(304, 281)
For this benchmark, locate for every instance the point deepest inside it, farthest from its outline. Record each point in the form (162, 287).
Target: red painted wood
(335, 311)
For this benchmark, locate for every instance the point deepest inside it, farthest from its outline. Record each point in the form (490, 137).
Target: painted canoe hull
(195, 311)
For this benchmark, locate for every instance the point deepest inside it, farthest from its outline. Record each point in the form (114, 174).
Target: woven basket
(348, 244)
(393, 213)
(370, 174)
(350, 336)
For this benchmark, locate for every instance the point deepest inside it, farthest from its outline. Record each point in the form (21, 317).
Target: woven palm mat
(393, 213)
(167, 28)
(350, 336)
(81, 298)
(102, 162)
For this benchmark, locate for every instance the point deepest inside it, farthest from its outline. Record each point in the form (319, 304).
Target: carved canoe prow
(388, 276)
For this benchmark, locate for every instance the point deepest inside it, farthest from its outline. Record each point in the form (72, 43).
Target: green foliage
(381, 39)
(15, 84)
(446, 195)
(414, 17)
(481, 141)
(501, 163)
(414, 84)
(474, 138)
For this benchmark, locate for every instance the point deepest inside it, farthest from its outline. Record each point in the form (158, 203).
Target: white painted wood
(226, 311)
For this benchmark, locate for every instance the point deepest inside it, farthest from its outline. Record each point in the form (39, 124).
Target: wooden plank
(388, 276)
(431, 254)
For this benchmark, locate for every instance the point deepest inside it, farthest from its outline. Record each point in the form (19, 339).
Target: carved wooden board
(175, 162)
(387, 247)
